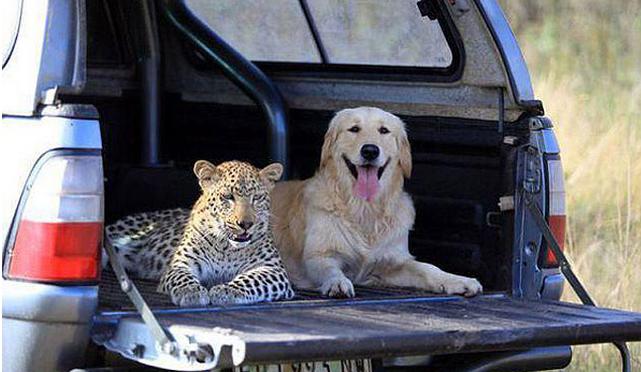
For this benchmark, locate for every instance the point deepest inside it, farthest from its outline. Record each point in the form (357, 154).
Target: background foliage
(585, 60)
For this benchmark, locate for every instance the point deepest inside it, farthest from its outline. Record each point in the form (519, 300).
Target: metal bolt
(124, 284)
(530, 248)
(138, 350)
(170, 348)
(506, 203)
(510, 140)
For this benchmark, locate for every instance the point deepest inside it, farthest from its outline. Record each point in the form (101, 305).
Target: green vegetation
(585, 59)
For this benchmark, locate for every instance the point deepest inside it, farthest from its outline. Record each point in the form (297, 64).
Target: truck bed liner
(383, 323)
(112, 298)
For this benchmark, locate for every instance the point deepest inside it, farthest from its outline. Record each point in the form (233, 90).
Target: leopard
(219, 252)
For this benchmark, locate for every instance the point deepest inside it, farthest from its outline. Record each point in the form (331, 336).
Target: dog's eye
(383, 130)
(355, 129)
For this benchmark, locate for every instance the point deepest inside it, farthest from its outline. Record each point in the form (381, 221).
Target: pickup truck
(106, 104)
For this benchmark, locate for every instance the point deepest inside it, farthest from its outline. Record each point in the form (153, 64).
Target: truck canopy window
(352, 32)
(389, 33)
(264, 31)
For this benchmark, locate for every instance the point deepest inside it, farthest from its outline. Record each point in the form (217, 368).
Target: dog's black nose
(370, 152)
(245, 224)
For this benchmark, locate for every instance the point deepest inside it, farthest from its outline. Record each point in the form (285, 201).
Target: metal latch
(533, 175)
(506, 203)
(50, 96)
(539, 122)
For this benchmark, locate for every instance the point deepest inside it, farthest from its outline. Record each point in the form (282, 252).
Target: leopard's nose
(245, 224)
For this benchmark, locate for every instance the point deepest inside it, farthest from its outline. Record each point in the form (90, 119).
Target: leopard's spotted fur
(220, 252)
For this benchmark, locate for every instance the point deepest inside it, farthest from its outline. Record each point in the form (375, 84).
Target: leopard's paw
(221, 294)
(190, 297)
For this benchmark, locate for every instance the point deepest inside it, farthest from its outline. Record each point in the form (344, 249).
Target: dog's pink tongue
(367, 183)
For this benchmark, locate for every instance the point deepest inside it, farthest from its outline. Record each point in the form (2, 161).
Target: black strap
(566, 269)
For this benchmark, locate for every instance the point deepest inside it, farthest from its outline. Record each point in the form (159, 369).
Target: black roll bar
(246, 75)
(149, 64)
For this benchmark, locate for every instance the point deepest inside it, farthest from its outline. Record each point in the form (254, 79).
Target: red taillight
(60, 229)
(56, 251)
(557, 225)
(556, 213)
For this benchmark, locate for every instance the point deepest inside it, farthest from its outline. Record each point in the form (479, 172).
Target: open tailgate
(366, 328)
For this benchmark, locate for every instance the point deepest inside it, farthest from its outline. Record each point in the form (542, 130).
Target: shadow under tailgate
(348, 329)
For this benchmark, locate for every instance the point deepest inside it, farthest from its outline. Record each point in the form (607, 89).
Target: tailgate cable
(566, 269)
(206, 354)
(164, 339)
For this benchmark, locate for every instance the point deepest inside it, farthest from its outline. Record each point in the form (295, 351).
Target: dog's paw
(461, 285)
(191, 297)
(338, 287)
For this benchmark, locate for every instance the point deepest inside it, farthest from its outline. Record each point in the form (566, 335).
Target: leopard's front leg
(262, 283)
(184, 287)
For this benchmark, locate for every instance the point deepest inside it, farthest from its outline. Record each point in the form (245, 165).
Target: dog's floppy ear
(328, 144)
(206, 172)
(405, 153)
(270, 174)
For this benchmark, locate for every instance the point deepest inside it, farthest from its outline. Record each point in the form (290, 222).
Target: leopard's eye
(228, 196)
(354, 129)
(383, 130)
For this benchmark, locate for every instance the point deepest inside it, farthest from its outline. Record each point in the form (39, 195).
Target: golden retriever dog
(349, 223)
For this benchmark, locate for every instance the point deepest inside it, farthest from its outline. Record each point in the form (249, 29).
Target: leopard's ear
(270, 174)
(206, 172)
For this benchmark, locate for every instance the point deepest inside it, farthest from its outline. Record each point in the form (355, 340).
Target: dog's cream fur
(331, 239)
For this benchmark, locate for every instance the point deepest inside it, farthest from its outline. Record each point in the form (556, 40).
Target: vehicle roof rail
(242, 72)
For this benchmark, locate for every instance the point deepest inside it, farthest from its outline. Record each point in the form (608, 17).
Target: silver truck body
(46, 326)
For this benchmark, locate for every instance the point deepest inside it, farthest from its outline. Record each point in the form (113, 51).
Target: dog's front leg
(322, 257)
(422, 275)
(325, 272)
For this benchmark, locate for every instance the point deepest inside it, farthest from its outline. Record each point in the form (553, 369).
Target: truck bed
(112, 298)
(377, 323)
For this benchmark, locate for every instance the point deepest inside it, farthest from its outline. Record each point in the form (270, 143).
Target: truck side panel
(38, 316)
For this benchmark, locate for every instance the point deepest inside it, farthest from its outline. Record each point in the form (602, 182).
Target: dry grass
(585, 58)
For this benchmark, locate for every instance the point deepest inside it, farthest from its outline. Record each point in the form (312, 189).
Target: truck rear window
(351, 32)
(264, 30)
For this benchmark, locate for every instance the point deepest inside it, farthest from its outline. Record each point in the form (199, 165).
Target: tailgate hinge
(198, 351)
